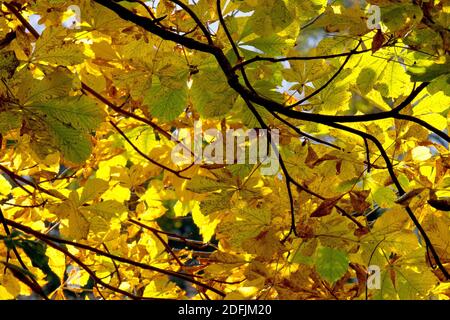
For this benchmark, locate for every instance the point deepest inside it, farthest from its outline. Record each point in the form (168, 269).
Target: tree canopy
(354, 100)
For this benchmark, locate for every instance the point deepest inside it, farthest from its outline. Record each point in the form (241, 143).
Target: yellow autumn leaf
(57, 261)
(154, 206)
(5, 186)
(206, 223)
(93, 189)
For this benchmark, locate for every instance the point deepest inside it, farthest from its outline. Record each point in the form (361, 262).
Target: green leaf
(167, 97)
(215, 202)
(269, 90)
(211, 94)
(106, 209)
(333, 99)
(384, 197)
(397, 16)
(241, 170)
(245, 116)
(78, 112)
(168, 104)
(247, 224)
(408, 278)
(143, 137)
(200, 184)
(8, 64)
(441, 83)
(394, 80)
(366, 80)
(331, 263)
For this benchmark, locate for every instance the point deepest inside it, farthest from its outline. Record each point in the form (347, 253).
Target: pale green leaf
(331, 263)
(78, 112)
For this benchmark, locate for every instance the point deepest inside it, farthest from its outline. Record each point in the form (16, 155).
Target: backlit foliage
(92, 105)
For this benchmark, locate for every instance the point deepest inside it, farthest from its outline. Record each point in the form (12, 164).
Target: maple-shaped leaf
(358, 200)
(406, 278)
(8, 64)
(211, 96)
(331, 263)
(372, 99)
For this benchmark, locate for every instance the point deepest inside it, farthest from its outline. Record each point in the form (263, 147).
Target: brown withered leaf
(377, 41)
(311, 157)
(361, 275)
(361, 231)
(325, 207)
(326, 157)
(358, 200)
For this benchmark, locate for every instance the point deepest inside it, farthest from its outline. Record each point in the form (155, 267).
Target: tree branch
(51, 239)
(248, 93)
(40, 291)
(19, 179)
(400, 189)
(275, 60)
